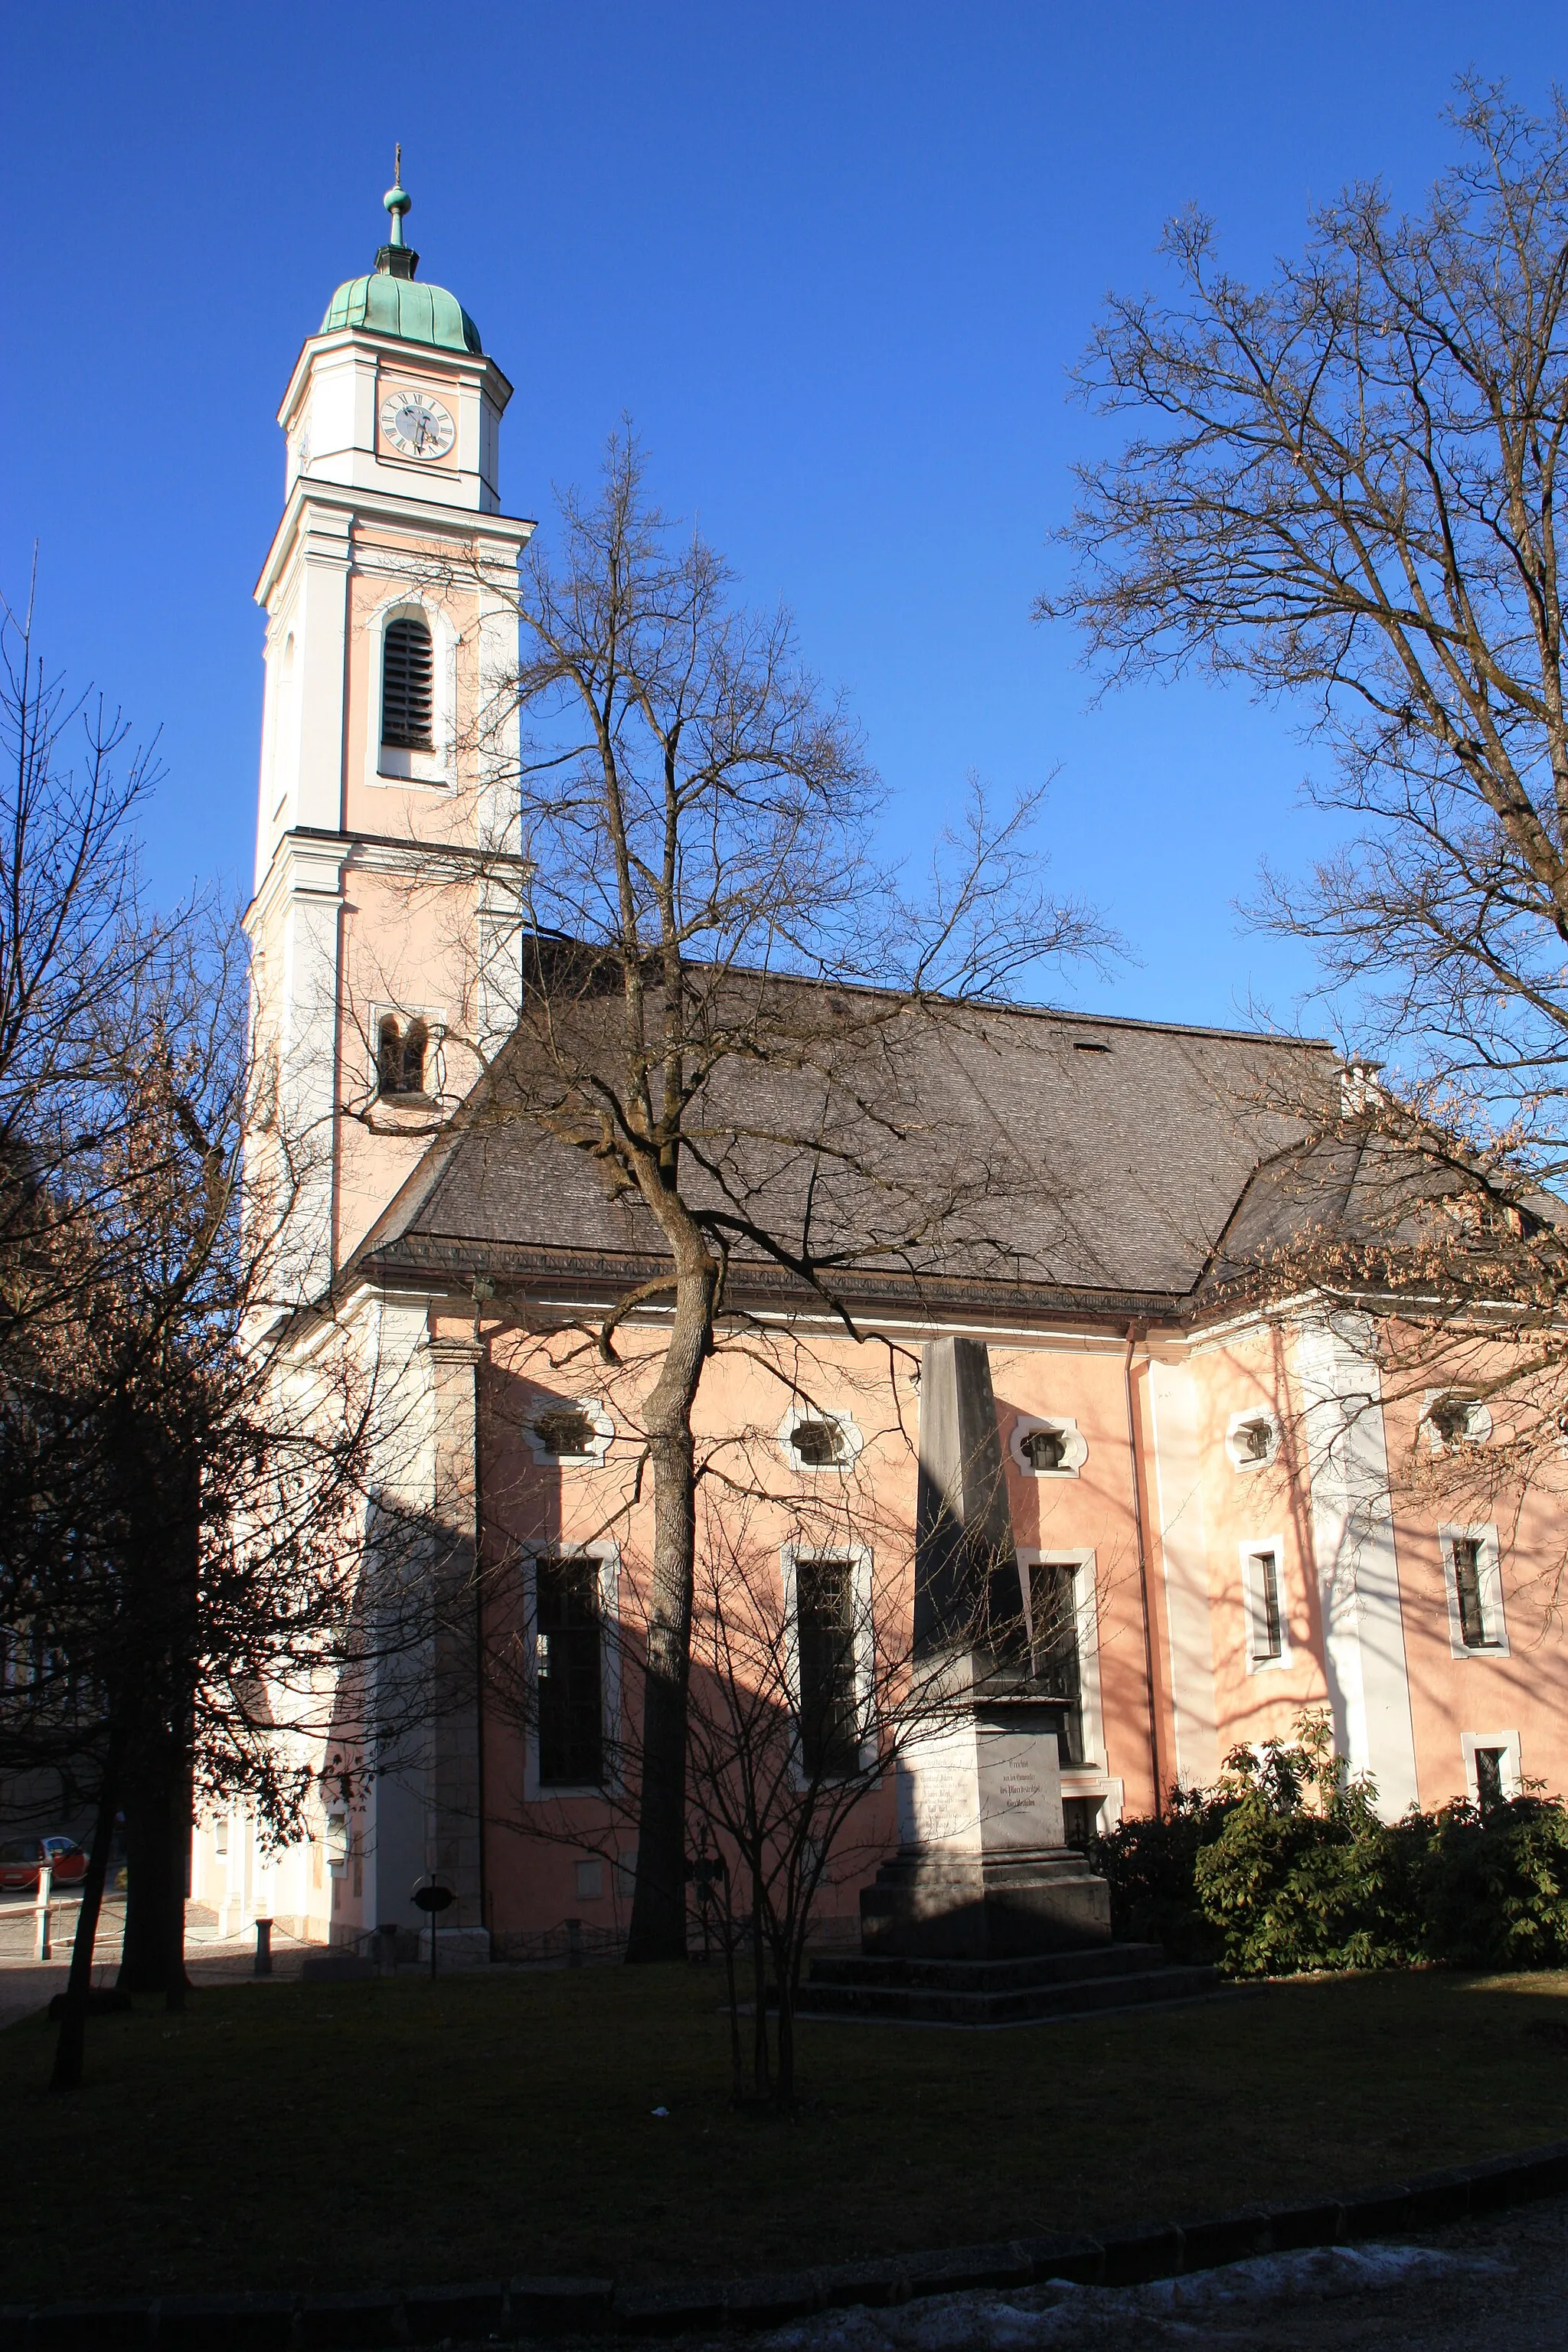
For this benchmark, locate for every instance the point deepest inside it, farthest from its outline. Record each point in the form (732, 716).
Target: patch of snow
(1056, 2315)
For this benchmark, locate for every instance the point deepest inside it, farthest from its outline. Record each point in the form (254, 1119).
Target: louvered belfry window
(407, 686)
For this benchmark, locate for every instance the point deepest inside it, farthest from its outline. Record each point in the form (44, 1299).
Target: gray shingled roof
(1136, 1153)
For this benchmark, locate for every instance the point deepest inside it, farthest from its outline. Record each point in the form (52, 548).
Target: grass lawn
(342, 2136)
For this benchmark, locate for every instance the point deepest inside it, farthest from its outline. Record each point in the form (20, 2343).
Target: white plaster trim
(789, 1554)
(1253, 1551)
(1354, 1553)
(1240, 1460)
(608, 1555)
(854, 1442)
(592, 1407)
(1512, 1772)
(1075, 1448)
(1185, 1562)
(1489, 1581)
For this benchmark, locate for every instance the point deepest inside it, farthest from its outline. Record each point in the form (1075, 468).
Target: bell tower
(385, 928)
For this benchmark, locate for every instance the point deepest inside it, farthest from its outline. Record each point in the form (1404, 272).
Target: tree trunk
(157, 1849)
(71, 2046)
(658, 1931)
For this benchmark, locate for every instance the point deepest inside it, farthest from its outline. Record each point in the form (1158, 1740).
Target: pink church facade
(1221, 1492)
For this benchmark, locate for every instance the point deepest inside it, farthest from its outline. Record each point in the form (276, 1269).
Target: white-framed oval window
(568, 1429)
(1252, 1438)
(1047, 1445)
(1451, 1419)
(818, 1439)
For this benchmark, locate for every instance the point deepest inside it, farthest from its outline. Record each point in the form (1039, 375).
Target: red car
(21, 1859)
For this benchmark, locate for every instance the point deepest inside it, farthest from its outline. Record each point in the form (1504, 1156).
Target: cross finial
(397, 199)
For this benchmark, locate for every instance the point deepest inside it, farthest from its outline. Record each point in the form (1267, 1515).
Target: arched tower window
(407, 685)
(400, 1057)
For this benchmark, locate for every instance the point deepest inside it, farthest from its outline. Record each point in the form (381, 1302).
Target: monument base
(984, 1908)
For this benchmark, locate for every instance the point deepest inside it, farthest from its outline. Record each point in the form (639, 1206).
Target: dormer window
(568, 1429)
(1456, 1421)
(818, 1443)
(400, 1057)
(407, 686)
(1252, 1439)
(568, 1434)
(1047, 1445)
(816, 1439)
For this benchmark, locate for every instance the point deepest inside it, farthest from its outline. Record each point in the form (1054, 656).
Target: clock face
(416, 425)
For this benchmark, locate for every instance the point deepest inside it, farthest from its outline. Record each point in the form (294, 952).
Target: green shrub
(1149, 1865)
(1285, 1867)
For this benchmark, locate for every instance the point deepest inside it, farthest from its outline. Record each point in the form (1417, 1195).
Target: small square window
(590, 1882)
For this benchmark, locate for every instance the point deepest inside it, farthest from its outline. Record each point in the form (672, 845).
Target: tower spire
(396, 259)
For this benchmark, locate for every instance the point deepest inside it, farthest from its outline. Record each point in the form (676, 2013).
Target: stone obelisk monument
(983, 1871)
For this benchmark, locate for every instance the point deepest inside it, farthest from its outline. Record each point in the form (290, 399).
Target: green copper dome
(388, 302)
(399, 306)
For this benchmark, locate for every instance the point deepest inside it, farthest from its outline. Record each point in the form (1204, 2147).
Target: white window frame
(1086, 1612)
(854, 1442)
(1493, 1616)
(790, 1555)
(1240, 1461)
(1477, 1426)
(1075, 1448)
(608, 1555)
(1252, 1603)
(1512, 1773)
(592, 1410)
(386, 766)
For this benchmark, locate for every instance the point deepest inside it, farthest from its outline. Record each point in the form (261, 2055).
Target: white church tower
(384, 927)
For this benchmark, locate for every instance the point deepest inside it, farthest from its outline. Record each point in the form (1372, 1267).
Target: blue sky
(835, 261)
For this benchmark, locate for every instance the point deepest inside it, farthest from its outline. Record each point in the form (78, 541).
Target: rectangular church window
(1467, 1592)
(824, 1634)
(1267, 1628)
(1489, 1777)
(569, 1672)
(1054, 1664)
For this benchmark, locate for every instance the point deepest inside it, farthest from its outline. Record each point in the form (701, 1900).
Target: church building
(1205, 1485)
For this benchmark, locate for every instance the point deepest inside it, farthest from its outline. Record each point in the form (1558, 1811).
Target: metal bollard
(264, 1947)
(42, 1947)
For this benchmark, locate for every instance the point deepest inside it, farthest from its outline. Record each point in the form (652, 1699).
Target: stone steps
(1000, 1992)
(986, 1976)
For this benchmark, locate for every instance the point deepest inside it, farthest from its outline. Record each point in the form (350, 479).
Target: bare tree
(725, 1000)
(183, 1584)
(1342, 487)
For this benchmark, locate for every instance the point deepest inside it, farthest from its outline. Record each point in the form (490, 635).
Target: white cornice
(436, 357)
(331, 503)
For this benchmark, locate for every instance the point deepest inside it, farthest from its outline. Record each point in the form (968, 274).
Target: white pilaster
(1183, 1555)
(1357, 1569)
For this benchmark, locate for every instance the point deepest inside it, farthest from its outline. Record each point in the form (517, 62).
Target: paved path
(27, 1985)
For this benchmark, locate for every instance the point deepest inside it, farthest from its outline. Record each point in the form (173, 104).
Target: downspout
(480, 1615)
(1134, 1333)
